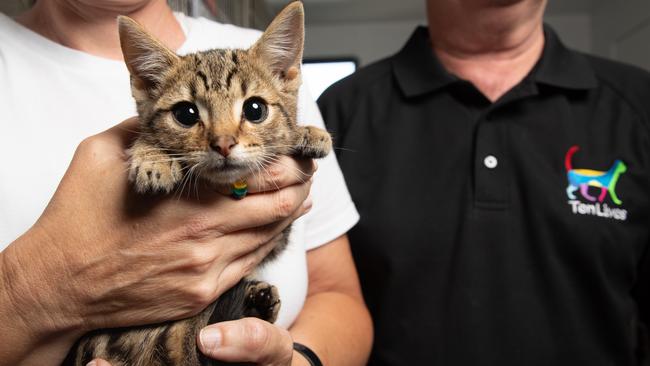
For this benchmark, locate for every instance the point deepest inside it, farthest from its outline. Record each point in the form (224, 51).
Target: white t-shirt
(52, 97)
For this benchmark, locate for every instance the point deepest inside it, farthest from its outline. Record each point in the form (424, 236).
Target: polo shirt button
(490, 162)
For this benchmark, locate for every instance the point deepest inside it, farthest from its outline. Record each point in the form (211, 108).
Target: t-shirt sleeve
(333, 213)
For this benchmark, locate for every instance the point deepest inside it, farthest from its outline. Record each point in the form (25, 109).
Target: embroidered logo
(582, 179)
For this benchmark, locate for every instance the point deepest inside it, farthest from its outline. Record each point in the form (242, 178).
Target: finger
(253, 246)
(110, 146)
(245, 264)
(222, 274)
(98, 362)
(251, 212)
(247, 340)
(282, 172)
(246, 251)
(124, 132)
(127, 130)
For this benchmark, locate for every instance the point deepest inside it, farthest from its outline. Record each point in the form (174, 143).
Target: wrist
(306, 355)
(299, 360)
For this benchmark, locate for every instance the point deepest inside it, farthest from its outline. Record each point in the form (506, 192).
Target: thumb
(247, 340)
(98, 362)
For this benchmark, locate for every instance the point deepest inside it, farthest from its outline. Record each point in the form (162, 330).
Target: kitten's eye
(255, 110)
(186, 113)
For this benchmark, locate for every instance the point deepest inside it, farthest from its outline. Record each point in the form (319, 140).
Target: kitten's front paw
(314, 143)
(262, 301)
(154, 173)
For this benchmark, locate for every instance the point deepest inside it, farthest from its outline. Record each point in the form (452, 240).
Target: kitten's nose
(224, 144)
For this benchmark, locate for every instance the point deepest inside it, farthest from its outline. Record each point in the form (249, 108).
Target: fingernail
(92, 363)
(306, 204)
(210, 338)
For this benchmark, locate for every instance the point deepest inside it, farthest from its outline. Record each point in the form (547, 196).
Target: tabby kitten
(218, 115)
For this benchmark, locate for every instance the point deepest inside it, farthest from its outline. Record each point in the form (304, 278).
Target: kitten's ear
(146, 58)
(281, 45)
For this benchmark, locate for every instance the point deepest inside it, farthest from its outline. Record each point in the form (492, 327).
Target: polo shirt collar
(418, 71)
(562, 67)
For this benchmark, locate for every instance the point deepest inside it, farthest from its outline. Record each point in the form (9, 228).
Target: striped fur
(167, 155)
(172, 343)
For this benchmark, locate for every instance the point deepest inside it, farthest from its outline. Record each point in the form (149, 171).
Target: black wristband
(307, 354)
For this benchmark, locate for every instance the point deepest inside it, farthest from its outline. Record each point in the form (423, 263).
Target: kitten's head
(224, 113)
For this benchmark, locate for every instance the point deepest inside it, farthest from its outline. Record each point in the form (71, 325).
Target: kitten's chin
(218, 170)
(224, 175)
(223, 179)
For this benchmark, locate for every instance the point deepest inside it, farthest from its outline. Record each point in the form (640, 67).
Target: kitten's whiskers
(293, 170)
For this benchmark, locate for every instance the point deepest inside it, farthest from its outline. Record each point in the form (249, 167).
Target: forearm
(337, 327)
(16, 337)
(30, 334)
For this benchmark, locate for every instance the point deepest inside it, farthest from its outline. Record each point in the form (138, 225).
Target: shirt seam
(343, 223)
(636, 110)
(640, 115)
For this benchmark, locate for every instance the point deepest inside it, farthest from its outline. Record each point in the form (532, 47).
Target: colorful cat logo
(584, 178)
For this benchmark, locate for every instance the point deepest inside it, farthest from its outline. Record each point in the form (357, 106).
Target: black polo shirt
(506, 233)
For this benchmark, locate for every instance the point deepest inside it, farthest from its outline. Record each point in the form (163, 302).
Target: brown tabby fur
(166, 155)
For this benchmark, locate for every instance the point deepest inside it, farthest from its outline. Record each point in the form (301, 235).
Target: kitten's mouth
(224, 171)
(228, 165)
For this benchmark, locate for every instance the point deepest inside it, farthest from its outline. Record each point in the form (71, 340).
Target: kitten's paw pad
(154, 176)
(315, 143)
(262, 301)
